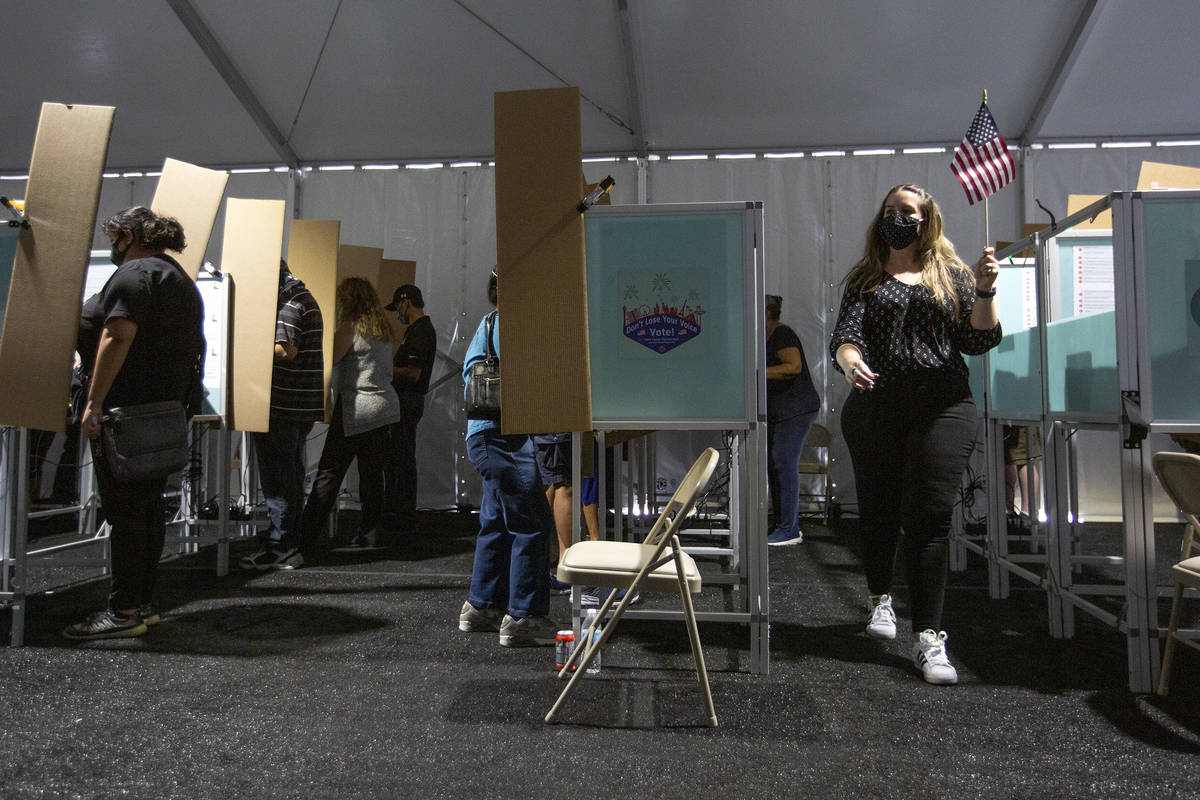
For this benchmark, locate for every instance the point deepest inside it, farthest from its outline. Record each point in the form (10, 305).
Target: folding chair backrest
(818, 436)
(684, 499)
(1179, 474)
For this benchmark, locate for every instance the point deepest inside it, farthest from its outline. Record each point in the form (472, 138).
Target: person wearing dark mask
(910, 309)
(297, 401)
(412, 366)
(141, 340)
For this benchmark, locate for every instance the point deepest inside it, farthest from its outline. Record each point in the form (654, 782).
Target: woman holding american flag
(910, 309)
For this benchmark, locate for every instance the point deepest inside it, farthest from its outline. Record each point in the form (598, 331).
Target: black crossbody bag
(483, 380)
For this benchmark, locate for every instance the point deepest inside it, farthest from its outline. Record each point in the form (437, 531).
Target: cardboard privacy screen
(41, 317)
(539, 255)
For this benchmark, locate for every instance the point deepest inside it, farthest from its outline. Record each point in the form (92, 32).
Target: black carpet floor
(350, 679)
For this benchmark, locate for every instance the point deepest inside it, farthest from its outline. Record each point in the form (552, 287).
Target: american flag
(981, 161)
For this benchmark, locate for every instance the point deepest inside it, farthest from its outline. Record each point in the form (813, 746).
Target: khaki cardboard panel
(313, 258)
(191, 195)
(360, 262)
(1154, 175)
(250, 254)
(1028, 229)
(539, 256)
(393, 274)
(41, 318)
(1078, 202)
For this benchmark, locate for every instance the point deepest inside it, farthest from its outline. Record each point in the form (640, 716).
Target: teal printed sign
(667, 316)
(8, 252)
(672, 320)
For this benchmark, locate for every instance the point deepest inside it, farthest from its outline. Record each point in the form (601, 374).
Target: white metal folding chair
(1179, 474)
(656, 564)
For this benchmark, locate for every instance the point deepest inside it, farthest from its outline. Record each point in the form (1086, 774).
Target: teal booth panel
(666, 316)
(1081, 364)
(1016, 381)
(1172, 247)
(8, 252)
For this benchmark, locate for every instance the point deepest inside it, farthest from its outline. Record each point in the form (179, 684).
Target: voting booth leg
(1059, 533)
(14, 538)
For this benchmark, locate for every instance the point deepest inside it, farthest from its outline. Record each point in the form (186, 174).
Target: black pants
(910, 442)
(136, 514)
(400, 463)
(338, 453)
(280, 453)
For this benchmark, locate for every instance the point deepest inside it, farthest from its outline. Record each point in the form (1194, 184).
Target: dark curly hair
(148, 229)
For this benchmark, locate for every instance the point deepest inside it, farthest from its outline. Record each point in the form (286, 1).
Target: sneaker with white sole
(272, 557)
(778, 538)
(478, 620)
(882, 622)
(527, 631)
(593, 596)
(929, 654)
(106, 624)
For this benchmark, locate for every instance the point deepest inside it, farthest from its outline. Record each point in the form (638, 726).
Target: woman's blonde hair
(935, 253)
(358, 303)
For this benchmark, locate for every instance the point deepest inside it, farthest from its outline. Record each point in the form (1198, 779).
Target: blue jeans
(280, 453)
(785, 442)
(512, 556)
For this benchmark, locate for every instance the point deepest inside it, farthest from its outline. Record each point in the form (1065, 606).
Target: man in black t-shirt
(411, 368)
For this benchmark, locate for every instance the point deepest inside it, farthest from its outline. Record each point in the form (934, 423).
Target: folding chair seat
(1179, 474)
(656, 564)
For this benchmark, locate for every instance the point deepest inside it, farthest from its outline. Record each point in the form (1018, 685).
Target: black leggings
(136, 514)
(910, 442)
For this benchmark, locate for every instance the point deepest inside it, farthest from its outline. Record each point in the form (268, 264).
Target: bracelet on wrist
(985, 292)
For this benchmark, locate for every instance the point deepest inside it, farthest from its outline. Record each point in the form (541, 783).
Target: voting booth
(676, 340)
(1101, 354)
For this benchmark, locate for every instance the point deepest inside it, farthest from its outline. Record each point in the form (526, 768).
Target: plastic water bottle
(589, 617)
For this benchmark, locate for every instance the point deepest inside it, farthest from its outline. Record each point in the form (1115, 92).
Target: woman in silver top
(364, 404)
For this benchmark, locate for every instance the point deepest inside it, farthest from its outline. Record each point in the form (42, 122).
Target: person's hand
(860, 376)
(90, 425)
(987, 270)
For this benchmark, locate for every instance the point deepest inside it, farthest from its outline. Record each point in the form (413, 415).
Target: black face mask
(897, 230)
(116, 255)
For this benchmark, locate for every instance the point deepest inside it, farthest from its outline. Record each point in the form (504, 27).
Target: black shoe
(106, 624)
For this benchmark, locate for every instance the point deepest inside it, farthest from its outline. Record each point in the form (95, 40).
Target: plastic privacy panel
(1173, 307)
(666, 315)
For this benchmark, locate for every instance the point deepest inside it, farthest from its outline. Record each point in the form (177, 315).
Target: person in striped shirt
(297, 401)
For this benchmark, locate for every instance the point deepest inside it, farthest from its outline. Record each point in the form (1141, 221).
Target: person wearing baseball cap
(411, 368)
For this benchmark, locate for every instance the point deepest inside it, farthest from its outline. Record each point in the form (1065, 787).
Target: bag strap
(491, 326)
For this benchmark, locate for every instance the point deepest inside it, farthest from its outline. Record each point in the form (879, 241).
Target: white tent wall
(816, 212)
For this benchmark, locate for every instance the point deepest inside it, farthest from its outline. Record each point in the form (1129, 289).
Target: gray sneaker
(477, 620)
(527, 631)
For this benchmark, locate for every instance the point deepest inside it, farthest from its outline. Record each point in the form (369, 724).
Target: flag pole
(987, 236)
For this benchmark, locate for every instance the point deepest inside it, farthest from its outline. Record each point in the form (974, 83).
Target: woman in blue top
(911, 308)
(510, 579)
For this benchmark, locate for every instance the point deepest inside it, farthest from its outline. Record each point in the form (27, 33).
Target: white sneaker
(882, 622)
(929, 653)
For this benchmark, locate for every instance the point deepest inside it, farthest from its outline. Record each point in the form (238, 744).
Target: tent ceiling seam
(616, 120)
(1062, 70)
(633, 91)
(313, 76)
(223, 64)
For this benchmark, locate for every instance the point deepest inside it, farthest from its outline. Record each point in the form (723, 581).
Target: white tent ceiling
(231, 82)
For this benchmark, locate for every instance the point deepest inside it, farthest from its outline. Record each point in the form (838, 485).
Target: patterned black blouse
(902, 329)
